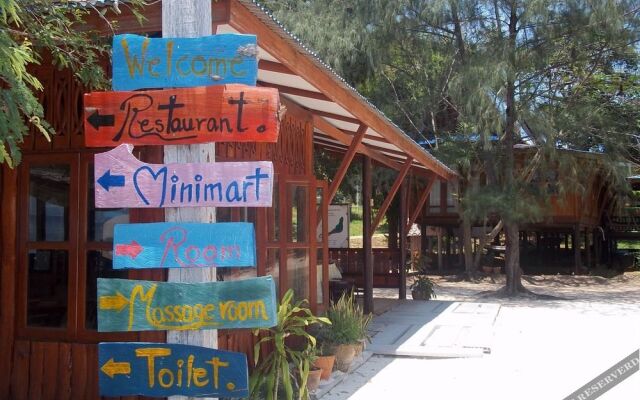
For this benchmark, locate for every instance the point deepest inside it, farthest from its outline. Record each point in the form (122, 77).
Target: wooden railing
(628, 223)
(386, 263)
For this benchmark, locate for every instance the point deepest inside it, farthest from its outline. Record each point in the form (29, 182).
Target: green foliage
(30, 33)
(273, 373)
(479, 77)
(424, 285)
(348, 322)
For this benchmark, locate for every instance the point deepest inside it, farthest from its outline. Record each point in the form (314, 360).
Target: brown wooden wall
(35, 365)
(292, 156)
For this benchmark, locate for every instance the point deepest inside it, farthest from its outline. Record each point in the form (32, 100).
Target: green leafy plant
(273, 372)
(348, 322)
(425, 286)
(45, 32)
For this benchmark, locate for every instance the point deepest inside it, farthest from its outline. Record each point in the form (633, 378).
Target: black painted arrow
(96, 120)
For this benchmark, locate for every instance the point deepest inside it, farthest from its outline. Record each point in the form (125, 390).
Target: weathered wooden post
(190, 18)
(439, 249)
(367, 235)
(402, 286)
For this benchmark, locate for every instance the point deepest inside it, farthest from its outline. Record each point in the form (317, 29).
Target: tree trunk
(468, 251)
(512, 251)
(484, 240)
(512, 259)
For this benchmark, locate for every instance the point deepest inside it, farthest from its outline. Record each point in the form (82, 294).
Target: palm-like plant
(274, 370)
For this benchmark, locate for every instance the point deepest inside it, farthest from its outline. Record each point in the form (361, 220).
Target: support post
(367, 235)
(189, 18)
(576, 248)
(597, 247)
(424, 246)
(8, 230)
(402, 286)
(439, 248)
(587, 246)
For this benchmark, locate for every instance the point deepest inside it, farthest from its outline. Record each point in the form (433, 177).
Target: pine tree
(477, 77)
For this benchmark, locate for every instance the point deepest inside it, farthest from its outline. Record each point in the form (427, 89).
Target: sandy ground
(542, 349)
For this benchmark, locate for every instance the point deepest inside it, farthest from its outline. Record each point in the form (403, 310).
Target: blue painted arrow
(107, 180)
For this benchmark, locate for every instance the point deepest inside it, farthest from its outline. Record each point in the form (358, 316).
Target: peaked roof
(287, 64)
(304, 78)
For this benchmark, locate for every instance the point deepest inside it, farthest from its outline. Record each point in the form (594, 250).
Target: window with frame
(65, 245)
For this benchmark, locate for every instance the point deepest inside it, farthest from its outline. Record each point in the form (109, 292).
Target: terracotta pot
(360, 347)
(345, 354)
(325, 363)
(419, 295)
(313, 381)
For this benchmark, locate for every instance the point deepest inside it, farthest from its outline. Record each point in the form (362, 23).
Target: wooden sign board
(184, 245)
(231, 113)
(161, 370)
(130, 305)
(144, 63)
(121, 180)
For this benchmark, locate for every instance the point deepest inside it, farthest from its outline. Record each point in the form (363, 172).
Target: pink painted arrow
(132, 250)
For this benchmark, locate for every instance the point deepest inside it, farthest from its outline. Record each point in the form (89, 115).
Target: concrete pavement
(540, 350)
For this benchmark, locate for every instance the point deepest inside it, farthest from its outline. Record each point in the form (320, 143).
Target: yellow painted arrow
(117, 302)
(112, 368)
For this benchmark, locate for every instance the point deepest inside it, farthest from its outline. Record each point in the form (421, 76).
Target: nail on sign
(141, 62)
(160, 370)
(121, 180)
(231, 113)
(130, 305)
(184, 245)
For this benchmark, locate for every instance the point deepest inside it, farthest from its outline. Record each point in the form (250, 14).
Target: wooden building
(56, 243)
(573, 232)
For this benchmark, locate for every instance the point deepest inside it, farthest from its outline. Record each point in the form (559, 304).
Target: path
(541, 349)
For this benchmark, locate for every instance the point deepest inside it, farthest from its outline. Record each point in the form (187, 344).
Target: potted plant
(422, 288)
(347, 330)
(273, 374)
(315, 372)
(324, 360)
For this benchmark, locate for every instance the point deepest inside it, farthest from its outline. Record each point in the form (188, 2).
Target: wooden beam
(248, 18)
(367, 247)
(346, 161)
(273, 66)
(391, 194)
(423, 198)
(337, 117)
(295, 91)
(342, 137)
(9, 195)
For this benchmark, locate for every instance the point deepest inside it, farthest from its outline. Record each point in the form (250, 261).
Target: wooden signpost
(160, 370)
(121, 180)
(184, 245)
(143, 63)
(231, 113)
(189, 112)
(130, 305)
